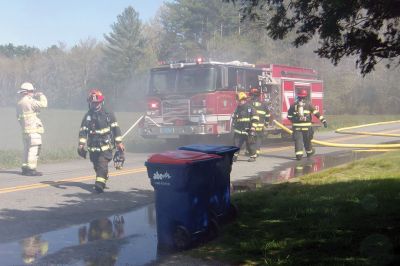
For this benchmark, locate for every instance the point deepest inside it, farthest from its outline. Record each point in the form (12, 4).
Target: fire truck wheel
(226, 139)
(172, 143)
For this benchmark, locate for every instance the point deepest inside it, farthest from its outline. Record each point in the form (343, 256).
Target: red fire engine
(199, 98)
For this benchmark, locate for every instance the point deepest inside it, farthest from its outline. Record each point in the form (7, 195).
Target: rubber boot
(31, 172)
(99, 187)
(252, 159)
(309, 154)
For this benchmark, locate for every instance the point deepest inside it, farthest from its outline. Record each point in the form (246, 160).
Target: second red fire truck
(192, 99)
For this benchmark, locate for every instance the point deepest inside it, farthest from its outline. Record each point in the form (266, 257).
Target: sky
(42, 23)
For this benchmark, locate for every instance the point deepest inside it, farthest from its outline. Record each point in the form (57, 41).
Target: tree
(123, 53)
(369, 29)
(191, 25)
(18, 51)
(125, 44)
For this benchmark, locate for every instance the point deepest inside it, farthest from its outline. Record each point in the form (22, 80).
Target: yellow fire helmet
(242, 96)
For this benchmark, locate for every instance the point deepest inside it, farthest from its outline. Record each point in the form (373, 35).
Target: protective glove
(120, 147)
(119, 159)
(82, 152)
(325, 124)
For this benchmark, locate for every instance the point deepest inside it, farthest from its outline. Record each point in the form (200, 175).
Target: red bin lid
(181, 157)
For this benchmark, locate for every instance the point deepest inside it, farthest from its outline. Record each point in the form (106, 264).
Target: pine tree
(125, 45)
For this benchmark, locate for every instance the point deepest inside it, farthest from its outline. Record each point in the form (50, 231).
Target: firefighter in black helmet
(245, 120)
(263, 114)
(300, 113)
(99, 134)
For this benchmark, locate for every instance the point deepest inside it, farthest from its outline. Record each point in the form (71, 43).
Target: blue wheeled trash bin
(181, 181)
(220, 201)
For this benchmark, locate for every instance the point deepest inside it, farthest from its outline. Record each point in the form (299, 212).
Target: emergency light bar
(179, 63)
(176, 65)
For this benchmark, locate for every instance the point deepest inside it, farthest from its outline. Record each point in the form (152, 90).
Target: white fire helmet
(25, 87)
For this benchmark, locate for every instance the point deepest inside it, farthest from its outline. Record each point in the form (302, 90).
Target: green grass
(348, 215)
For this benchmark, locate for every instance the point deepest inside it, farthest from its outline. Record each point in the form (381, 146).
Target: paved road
(63, 197)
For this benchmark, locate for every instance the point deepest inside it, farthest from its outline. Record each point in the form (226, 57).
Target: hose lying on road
(341, 145)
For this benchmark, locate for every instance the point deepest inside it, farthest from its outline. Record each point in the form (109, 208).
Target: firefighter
(99, 134)
(101, 232)
(300, 114)
(28, 109)
(263, 113)
(33, 248)
(245, 121)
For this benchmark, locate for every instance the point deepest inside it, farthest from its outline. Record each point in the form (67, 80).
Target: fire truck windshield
(182, 80)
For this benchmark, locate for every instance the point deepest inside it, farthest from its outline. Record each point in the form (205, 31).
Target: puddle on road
(126, 239)
(131, 238)
(291, 170)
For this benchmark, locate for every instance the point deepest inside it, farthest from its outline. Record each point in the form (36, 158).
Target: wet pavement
(290, 171)
(125, 239)
(131, 238)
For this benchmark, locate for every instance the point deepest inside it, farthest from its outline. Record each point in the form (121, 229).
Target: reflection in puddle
(127, 239)
(289, 171)
(33, 248)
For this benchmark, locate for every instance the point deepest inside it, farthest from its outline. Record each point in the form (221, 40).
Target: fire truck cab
(198, 98)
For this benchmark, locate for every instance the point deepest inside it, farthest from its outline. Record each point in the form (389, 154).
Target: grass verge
(12, 158)
(348, 215)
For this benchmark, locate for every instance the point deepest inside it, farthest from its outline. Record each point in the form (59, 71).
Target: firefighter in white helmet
(28, 109)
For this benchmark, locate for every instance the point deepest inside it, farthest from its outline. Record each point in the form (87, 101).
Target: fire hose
(133, 126)
(119, 156)
(344, 130)
(341, 145)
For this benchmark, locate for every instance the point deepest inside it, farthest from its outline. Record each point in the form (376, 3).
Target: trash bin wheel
(181, 237)
(213, 215)
(213, 229)
(233, 212)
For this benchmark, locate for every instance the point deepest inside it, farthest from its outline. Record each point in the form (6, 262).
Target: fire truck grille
(173, 110)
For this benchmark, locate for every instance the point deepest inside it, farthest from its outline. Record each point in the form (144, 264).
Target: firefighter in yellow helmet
(300, 114)
(28, 109)
(263, 113)
(99, 134)
(244, 123)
